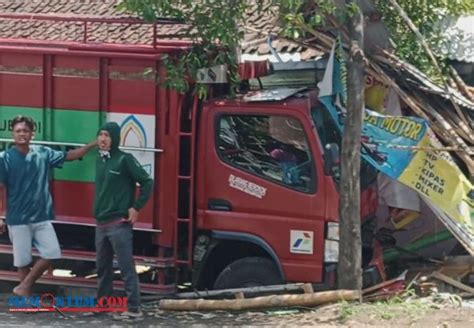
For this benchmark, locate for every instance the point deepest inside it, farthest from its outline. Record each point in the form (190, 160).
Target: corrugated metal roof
(459, 38)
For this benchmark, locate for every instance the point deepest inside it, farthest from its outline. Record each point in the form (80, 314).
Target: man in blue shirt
(24, 171)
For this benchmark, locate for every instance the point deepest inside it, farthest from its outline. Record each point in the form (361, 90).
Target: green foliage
(213, 26)
(426, 15)
(298, 15)
(395, 307)
(346, 310)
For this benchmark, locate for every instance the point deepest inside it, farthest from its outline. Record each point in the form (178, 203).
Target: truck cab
(266, 201)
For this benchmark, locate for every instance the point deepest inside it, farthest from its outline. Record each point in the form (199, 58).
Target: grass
(404, 305)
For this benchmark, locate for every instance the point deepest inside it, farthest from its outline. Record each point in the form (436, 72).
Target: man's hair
(23, 119)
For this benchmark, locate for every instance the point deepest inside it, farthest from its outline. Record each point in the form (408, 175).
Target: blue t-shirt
(26, 178)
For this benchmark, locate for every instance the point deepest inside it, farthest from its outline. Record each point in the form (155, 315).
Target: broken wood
(384, 284)
(438, 275)
(452, 139)
(262, 302)
(462, 129)
(461, 85)
(443, 123)
(457, 267)
(455, 138)
(459, 260)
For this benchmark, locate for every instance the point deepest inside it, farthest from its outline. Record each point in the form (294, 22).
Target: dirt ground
(441, 310)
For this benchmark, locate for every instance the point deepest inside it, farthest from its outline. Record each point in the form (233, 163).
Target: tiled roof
(73, 31)
(254, 42)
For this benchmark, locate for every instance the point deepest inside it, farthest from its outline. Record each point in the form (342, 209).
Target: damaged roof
(408, 74)
(257, 24)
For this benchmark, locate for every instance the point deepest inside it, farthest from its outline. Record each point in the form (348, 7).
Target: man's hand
(132, 215)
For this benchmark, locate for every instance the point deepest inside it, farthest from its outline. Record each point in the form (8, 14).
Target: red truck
(246, 187)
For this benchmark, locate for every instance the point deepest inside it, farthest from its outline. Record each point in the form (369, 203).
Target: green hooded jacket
(117, 174)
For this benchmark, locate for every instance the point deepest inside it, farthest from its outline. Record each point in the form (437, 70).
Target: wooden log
(260, 302)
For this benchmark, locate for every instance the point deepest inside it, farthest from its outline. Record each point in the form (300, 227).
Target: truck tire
(248, 272)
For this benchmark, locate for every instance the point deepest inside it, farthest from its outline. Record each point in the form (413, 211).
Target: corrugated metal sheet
(459, 38)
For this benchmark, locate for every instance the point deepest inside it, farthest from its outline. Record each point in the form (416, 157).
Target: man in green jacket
(116, 210)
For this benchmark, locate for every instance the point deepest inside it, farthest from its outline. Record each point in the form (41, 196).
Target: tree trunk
(350, 255)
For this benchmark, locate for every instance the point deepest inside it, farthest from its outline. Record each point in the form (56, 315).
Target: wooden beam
(452, 282)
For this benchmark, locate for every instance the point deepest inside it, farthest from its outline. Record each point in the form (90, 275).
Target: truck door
(261, 181)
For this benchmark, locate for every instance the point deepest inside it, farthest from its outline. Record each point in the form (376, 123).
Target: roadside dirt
(443, 310)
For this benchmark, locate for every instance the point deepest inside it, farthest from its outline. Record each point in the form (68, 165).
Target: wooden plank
(452, 282)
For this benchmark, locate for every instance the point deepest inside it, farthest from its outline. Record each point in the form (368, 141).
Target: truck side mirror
(332, 159)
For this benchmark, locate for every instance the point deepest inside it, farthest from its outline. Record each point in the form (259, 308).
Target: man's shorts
(41, 235)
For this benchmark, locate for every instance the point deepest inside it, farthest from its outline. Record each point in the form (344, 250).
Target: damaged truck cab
(267, 197)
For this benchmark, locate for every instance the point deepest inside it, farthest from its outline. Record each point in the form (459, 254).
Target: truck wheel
(248, 272)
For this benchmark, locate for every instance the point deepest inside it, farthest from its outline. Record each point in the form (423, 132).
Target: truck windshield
(269, 146)
(329, 133)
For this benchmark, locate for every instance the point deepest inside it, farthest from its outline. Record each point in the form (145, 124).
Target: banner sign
(404, 148)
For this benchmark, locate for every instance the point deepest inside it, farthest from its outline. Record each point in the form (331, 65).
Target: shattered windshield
(270, 146)
(329, 133)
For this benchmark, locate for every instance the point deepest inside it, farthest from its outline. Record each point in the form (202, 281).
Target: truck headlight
(332, 231)
(331, 251)
(331, 243)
